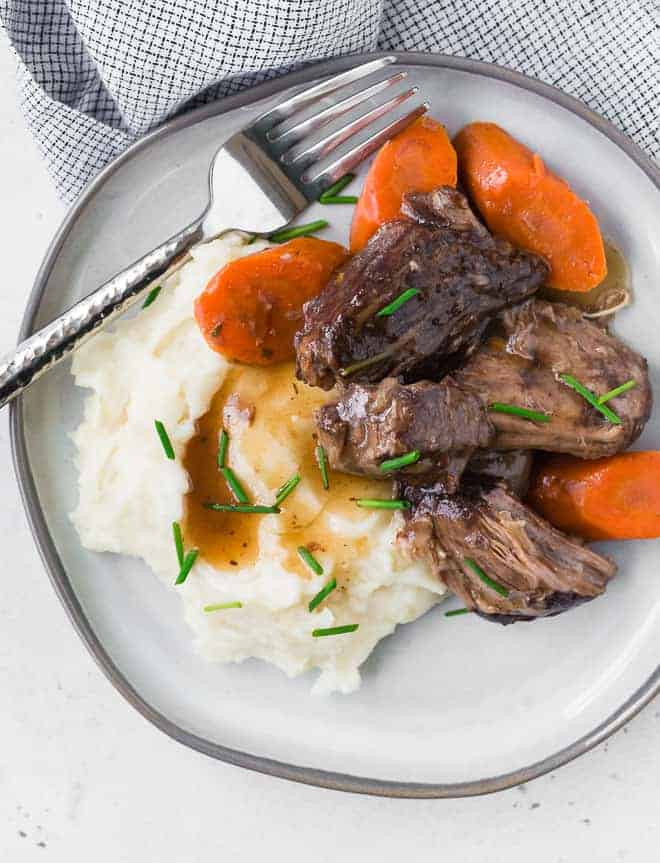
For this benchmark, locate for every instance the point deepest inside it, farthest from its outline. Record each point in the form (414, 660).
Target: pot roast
(528, 568)
(462, 276)
(537, 342)
(424, 382)
(373, 423)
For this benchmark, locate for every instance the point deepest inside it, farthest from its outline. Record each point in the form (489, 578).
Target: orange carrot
(252, 307)
(607, 498)
(418, 159)
(520, 199)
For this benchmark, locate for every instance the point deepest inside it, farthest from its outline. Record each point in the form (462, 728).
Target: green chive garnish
(534, 416)
(151, 296)
(165, 440)
(336, 188)
(235, 485)
(478, 571)
(617, 391)
(402, 461)
(323, 466)
(588, 396)
(396, 304)
(252, 239)
(298, 231)
(363, 364)
(321, 595)
(187, 565)
(220, 606)
(335, 630)
(310, 560)
(375, 503)
(285, 490)
(258, 509)
(178, 542)
(222, 448)
(339, 199)
(456, 612)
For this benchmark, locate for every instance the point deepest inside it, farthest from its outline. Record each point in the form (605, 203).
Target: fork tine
(293, 134)
(308, 153)
(307, 97)
(344, 164)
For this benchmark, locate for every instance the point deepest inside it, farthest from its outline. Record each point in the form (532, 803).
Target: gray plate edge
(46, 547)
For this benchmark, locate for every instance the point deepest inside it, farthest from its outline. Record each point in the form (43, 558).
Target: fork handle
(54, 342)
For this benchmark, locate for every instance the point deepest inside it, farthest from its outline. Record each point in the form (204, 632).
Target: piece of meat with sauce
(536, 343)
(372, 423)
(462, 276)
(531, 569)
(512, 467)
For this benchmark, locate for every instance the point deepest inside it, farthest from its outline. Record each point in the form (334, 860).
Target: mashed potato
(156, 365)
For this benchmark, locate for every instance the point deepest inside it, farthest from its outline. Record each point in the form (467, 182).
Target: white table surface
(83, 776)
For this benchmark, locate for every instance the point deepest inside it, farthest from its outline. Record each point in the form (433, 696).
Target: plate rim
(48, 552)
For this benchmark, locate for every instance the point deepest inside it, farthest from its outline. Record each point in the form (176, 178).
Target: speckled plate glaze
(449, 706)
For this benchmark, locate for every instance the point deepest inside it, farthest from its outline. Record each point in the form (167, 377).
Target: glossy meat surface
(463, 277)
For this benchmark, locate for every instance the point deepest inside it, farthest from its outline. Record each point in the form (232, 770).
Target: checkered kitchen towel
(94, 75)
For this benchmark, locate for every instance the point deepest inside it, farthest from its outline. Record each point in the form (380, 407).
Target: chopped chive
(456, 612)
(234, 484)
(298, 231)
(339, 199)
(252, 239)
(220, 606)
(617, 391)
(321, 595)
(222, 448)
(588, 396)
(165, 440)
(534, 416)
(257, 509)
(376, 503)
(478, 571)
(178, 542)
(323, 466)
(363, 364)
(402, 461)
(396, 304)
(187, 565)
(285, 490)
(337, 187)
(335, 630)
(151, 296)
(310, 560)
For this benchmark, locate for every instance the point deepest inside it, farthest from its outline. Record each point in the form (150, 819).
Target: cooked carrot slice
(252, 307)
(418, 159)
(520, 199)
(607, 498)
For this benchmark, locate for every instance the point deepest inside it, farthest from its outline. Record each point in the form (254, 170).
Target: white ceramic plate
(449, 706)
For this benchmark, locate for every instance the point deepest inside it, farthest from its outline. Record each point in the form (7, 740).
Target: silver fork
(275, 163)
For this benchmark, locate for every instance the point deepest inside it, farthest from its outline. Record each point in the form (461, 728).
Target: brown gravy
(278, 442)
(219, 535)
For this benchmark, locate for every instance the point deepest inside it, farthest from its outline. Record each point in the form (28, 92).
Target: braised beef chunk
(520, 366)
(463, 276)
(504, 561)
(512, 467)
(372, 423)
(539, 342)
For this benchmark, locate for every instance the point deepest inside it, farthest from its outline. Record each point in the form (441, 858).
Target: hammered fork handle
(51, 344)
